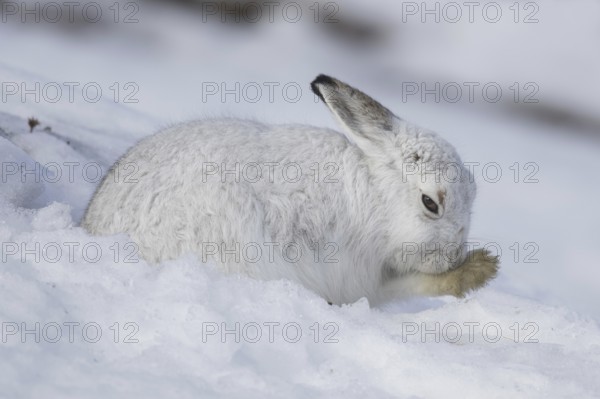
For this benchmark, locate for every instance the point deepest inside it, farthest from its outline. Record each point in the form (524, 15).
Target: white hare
(381, 212)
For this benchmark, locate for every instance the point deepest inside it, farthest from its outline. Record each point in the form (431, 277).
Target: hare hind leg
(475, 272)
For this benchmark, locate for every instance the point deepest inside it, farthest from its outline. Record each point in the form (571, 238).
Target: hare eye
(429, 204)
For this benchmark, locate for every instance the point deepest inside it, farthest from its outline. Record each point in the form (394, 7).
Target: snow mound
(17, 189)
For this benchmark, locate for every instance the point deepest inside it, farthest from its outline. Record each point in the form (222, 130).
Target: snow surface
(167, 314)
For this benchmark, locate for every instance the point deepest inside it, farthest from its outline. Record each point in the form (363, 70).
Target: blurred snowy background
(98, 76)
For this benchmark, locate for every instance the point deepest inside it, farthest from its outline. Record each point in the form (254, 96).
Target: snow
(170, 338)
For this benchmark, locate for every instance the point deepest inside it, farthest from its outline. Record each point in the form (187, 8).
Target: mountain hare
(381, 211)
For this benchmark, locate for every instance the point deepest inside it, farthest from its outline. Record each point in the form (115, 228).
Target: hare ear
(363, 117)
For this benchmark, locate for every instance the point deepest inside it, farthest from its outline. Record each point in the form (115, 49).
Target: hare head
(424, 192)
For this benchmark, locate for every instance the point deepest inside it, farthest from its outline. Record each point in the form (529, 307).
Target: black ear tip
(321, 80)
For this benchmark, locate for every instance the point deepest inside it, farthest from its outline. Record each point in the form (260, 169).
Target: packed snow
(83, 316)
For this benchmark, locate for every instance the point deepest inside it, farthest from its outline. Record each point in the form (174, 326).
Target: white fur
(363, 222)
